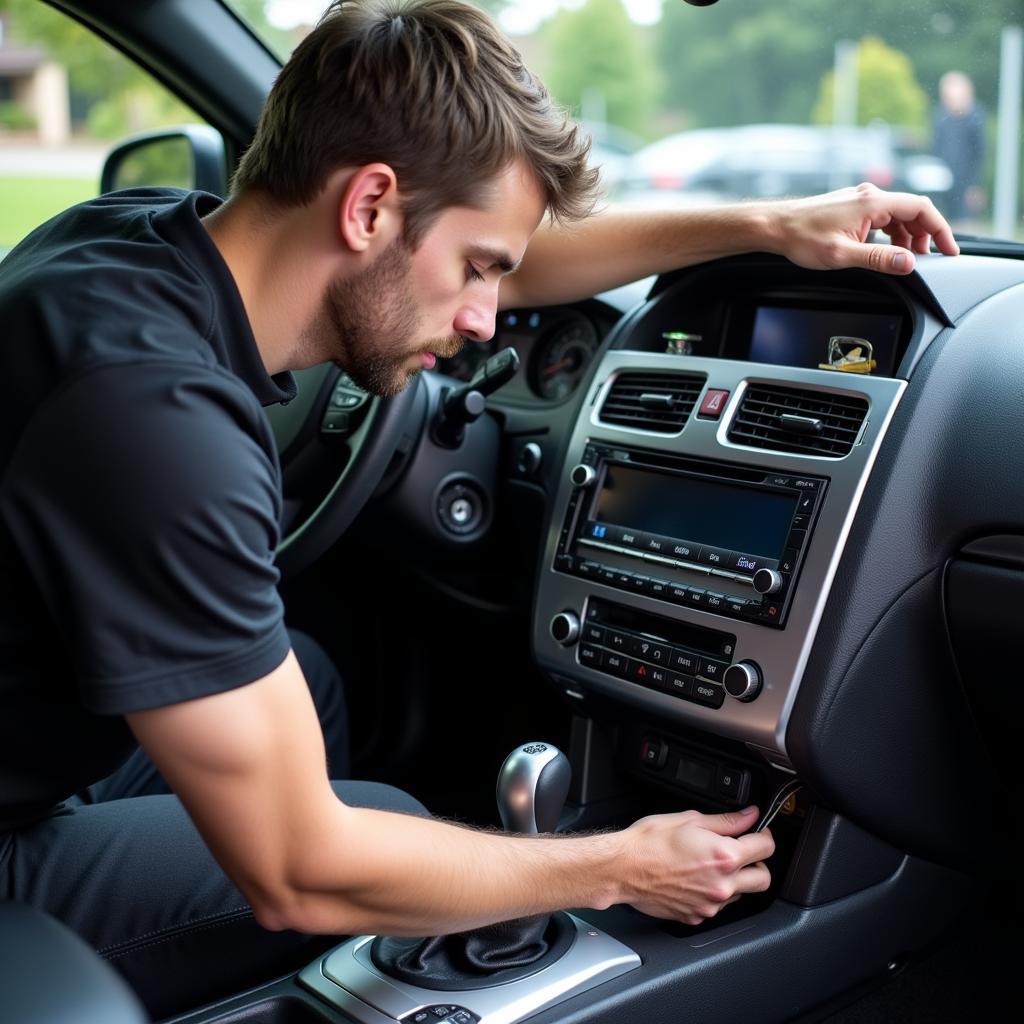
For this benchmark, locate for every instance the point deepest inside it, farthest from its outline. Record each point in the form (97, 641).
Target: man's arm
(249, 766)
(613, 247)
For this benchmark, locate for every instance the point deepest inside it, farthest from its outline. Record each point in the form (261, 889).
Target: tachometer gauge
(561, 357)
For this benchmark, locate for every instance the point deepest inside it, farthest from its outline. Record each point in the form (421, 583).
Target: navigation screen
(800, 337)
(724, 515)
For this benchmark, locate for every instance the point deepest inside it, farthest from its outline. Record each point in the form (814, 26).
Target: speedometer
(562, 356)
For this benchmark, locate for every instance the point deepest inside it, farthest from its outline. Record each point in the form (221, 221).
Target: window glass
(65, 98)
(789, 97)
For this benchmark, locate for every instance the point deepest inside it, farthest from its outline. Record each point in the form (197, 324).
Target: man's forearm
(564, 264)
(382, 872)
(829, 232)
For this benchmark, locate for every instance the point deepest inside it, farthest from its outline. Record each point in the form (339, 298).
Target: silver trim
(347, 979)
(782, 654)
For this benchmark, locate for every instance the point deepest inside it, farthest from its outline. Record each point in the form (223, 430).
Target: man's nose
(476, 322)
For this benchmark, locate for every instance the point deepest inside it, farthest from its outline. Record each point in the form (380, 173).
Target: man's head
(431, 109)
(956, 91)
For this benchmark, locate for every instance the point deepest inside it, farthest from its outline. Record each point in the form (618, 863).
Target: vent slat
(634, 396)
(758, 422)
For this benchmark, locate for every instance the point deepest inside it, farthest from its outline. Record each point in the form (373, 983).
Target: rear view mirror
(188, 156)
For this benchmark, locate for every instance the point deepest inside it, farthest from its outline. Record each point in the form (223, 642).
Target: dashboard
(752, 522)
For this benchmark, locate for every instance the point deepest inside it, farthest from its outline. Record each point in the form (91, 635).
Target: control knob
(565, 628)
(582, 475)
(767, 581)
(743, 680)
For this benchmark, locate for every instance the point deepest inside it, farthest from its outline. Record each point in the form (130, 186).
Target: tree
(887, 89)
(746, 60)
(599, 66)
(118, 95)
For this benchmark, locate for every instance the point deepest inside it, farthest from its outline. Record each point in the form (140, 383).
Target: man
(401, 172)
(960, 141)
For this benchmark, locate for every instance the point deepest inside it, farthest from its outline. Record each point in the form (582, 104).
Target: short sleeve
(144, 500)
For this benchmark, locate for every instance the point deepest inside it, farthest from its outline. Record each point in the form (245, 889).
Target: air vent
(802, 422)
(652, 401)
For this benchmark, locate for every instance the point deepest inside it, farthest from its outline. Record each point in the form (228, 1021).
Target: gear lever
(532, 786)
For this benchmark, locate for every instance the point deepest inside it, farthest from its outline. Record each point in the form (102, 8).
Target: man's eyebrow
(494, 258)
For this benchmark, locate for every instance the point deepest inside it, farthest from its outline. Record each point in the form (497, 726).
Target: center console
(689, 558)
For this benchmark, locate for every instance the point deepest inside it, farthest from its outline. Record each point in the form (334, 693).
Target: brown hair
(430, 87)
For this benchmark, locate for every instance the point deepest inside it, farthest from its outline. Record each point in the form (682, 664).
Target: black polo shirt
(139, 488)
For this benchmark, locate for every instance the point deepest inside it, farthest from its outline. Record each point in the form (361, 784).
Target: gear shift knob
(532, 786)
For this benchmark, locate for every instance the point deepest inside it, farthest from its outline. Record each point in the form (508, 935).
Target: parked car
(762, 161)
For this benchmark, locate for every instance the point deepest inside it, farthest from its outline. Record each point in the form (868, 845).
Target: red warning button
(713, 404)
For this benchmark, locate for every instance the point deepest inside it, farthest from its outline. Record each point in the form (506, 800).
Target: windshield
(762, 98)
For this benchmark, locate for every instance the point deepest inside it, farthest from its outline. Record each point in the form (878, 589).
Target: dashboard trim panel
(781, 653)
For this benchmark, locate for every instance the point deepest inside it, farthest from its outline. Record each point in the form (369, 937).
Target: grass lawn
(26, 202)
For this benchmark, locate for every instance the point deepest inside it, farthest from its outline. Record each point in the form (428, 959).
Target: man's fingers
(756, 846)
(917, 214)
(886, 259)
(756, 878)
(733, 823)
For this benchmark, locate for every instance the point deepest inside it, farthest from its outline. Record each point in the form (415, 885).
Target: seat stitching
(208, 921)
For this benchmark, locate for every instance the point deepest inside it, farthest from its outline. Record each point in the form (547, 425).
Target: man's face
(410, 307)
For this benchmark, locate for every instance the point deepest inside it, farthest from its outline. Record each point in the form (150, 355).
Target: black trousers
(124, 867)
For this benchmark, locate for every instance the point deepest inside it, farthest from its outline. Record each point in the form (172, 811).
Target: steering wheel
(369, 450)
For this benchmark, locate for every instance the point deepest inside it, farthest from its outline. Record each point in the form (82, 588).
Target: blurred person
(960, 141)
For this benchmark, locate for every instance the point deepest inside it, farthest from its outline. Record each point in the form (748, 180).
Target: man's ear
(369, 212)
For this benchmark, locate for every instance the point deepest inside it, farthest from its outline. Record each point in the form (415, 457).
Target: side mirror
(187, 156)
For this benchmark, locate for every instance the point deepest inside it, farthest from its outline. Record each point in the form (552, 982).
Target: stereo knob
(582, 475)
(743, 680)
(565, 628)
(767, 581)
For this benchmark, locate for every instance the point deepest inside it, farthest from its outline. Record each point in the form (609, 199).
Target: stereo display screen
(711, 512)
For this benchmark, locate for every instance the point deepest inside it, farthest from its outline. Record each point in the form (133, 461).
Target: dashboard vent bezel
(629, 389)
(755, 422)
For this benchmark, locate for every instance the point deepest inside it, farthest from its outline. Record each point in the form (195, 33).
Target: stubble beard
(367, 320)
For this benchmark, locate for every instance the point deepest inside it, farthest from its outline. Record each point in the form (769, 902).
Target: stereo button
(655, 543)
(680, 685)
(713, 670)
(697, 597)
(678, 593)
(658, 678)
(658, 587)
(709, 695)
(717, 558)
(648, 650)
(685, 551)
(627, 538)
(593, 634)
(616, 641)
(796, 539)
(684, 661)
(617, 664)
(590, 655)
(640, 673)
(746, 564)
(716, 602)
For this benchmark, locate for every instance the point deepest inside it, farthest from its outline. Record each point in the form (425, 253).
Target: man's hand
(688, 866)
(830, 232)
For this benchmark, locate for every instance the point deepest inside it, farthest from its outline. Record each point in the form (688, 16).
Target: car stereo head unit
(721, 537)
